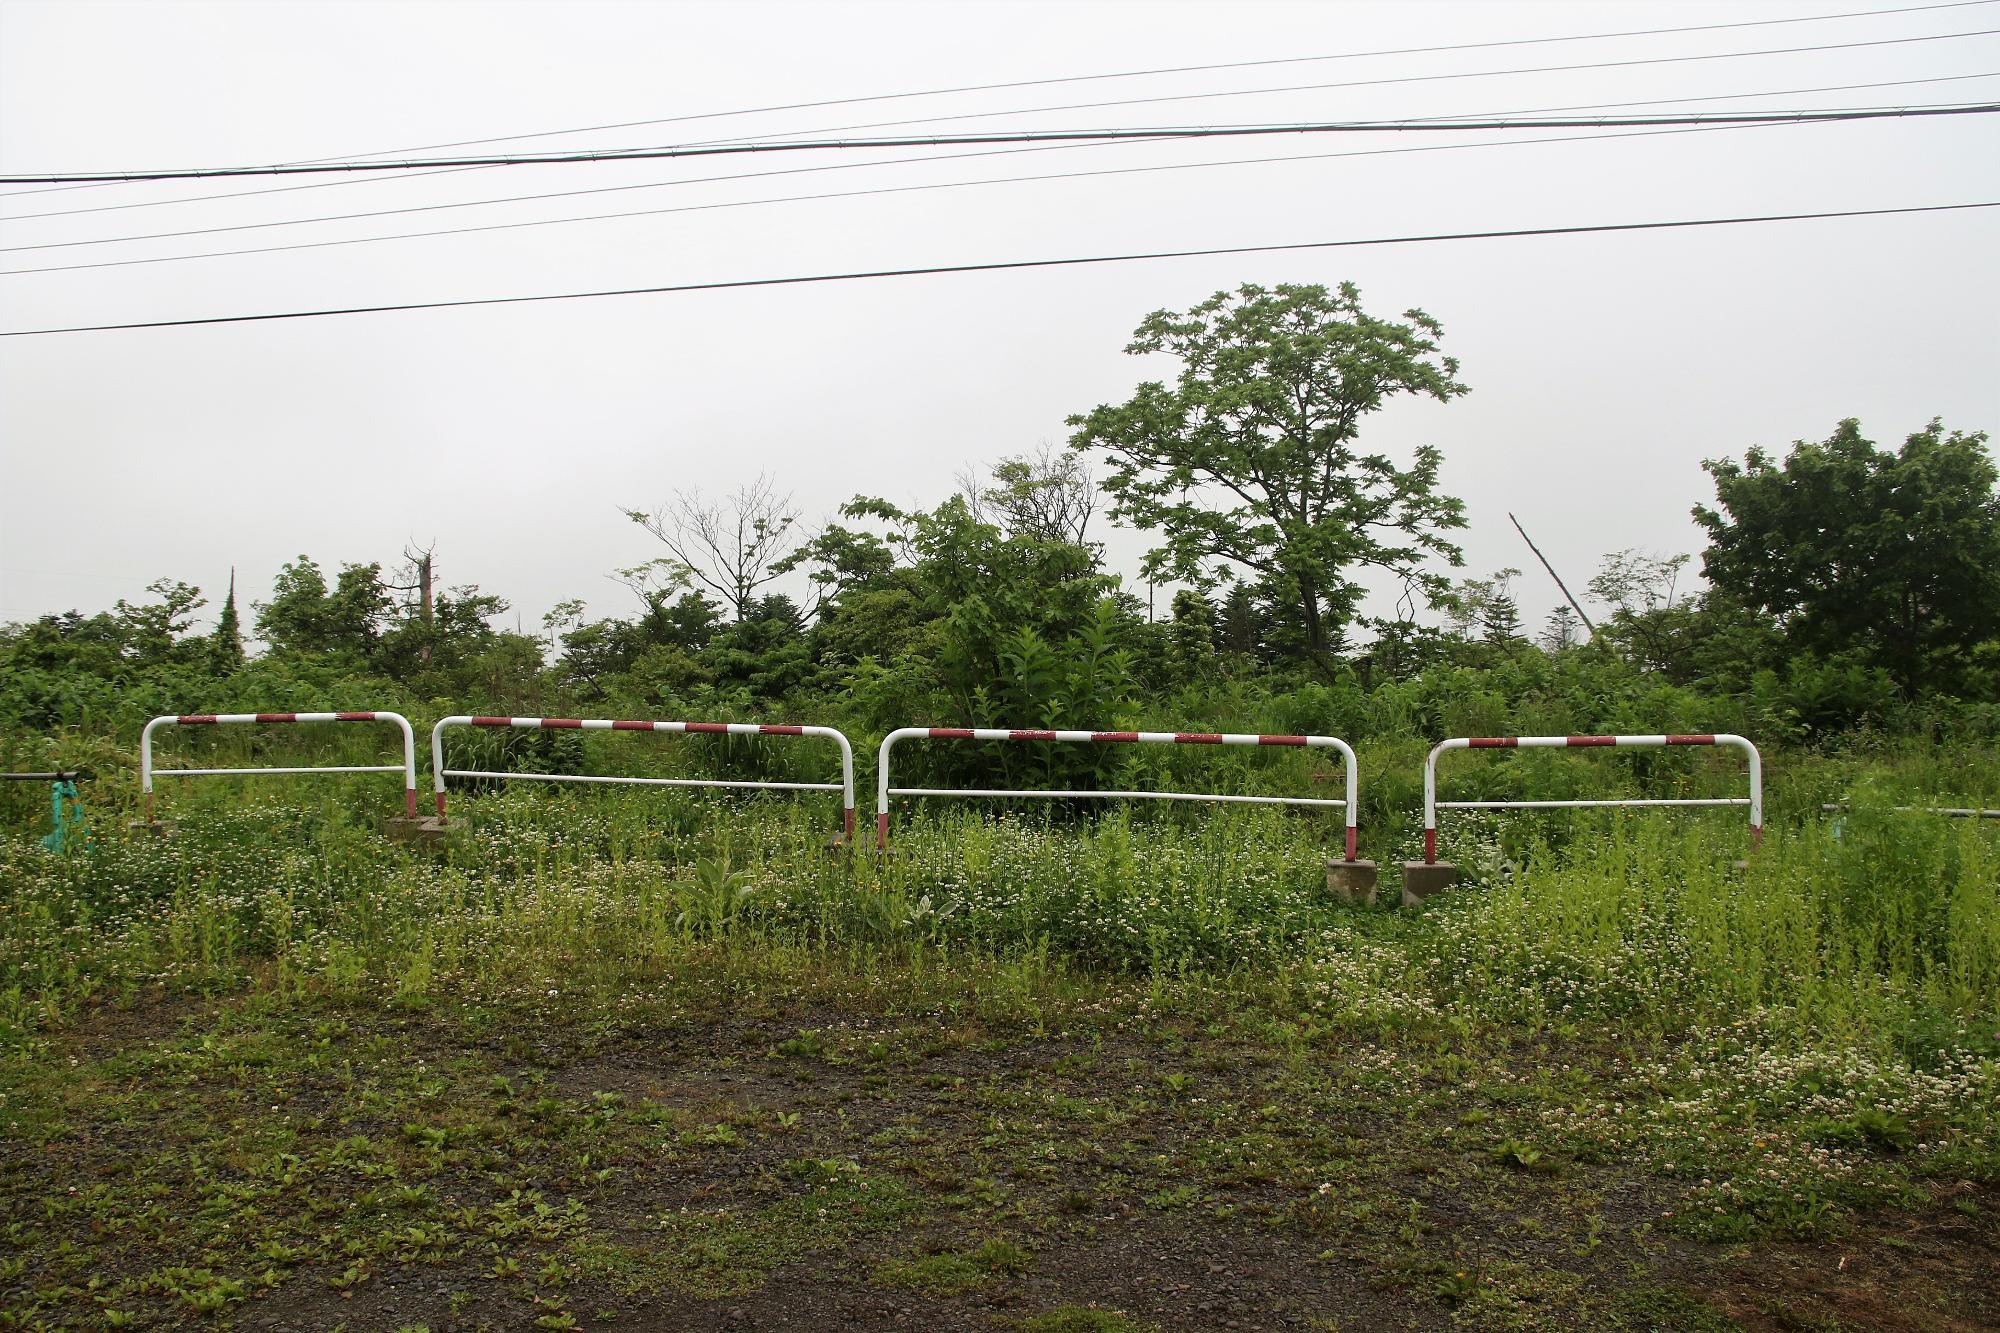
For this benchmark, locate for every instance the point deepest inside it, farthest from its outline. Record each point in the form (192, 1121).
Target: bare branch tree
(1049, 495)
(732, 547)
(1633, 583)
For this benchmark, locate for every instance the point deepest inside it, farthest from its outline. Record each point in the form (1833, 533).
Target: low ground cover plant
(650, 1056)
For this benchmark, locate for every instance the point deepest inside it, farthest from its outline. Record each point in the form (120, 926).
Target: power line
(1177, 69)
(1161, 132)
(1375, 83)
(877, 190)
(792, 171)
(212, 198)
(1078, 78)
(1426, 78)
(999, 266)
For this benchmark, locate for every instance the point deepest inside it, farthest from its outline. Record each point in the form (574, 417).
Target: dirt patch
(796, 1169)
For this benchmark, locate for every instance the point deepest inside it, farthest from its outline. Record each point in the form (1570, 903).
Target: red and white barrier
(1755, 800)
(408, 768)
(884, 791)
(845, 786)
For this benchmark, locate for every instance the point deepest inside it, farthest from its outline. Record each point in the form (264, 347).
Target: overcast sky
(1603, 369)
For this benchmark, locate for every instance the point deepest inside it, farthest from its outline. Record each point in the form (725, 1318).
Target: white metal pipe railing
(408, 768)
(884, 790)
(1755, 800)
(845, 786)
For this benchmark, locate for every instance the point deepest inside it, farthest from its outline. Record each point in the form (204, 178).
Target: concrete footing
(403, 828)
(159, 828)
(1423, 878)
(430, 833)
(1351, 881)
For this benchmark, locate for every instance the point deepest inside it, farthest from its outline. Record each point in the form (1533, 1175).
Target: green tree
(1850, 546)
(306, 618)
(1249, 461)
(225, 645)
(1191, 636)
(156, 633)
(1243, 622)
(1562, 632)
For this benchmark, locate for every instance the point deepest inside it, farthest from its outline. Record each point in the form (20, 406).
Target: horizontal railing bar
(1117, 795)
(1582, 805)
(640, 782)
(1955, 811)
(256, 772)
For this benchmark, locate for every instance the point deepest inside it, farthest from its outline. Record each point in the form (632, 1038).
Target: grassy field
(619, 1059)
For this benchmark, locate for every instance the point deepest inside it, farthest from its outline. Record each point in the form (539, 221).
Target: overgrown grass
(1784, 1042)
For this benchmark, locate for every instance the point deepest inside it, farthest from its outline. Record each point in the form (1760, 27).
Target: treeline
(1844, 586)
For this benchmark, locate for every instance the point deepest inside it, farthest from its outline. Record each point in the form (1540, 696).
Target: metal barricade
(408, 768)
(1755, 800)
(845, 786)
(884, 790)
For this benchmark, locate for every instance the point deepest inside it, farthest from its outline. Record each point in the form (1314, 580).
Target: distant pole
(1552, 573)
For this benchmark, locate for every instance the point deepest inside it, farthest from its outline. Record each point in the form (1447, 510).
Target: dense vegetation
(657, 1055)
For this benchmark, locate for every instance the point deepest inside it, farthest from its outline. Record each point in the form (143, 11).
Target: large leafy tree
(1851, 547)
(1249, 463)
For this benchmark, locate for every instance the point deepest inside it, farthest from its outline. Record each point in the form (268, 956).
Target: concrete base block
(402, 828)
(159, 828)
(432, 833)
(1351, 881)
(1422, 878)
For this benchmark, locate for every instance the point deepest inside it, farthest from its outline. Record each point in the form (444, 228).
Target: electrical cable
(1373, 83)
(1161, 132)
(876, 190)
(1175, 69)
(999, 266)
(324, 162)
(1127, 74)
(788, 171)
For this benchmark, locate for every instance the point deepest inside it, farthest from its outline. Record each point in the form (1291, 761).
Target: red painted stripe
(564, 723)
(1197, 738)
(631, 726)
(1281, 740)
(1590, 740)
(353, 717)
(710, 728)
(951, 733)
(1031, 735)
(1493, 742)
(882, 830)
(1690, 740)
(781, 731)
(1430, 846)
(277, 717)
(1114, 735)
(192, 719)
(492, 721)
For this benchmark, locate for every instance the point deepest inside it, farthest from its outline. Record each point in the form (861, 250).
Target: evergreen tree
(1191, 636)
(1560, 634)
(1502, 621)
(1242, 628)
(225, 651)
